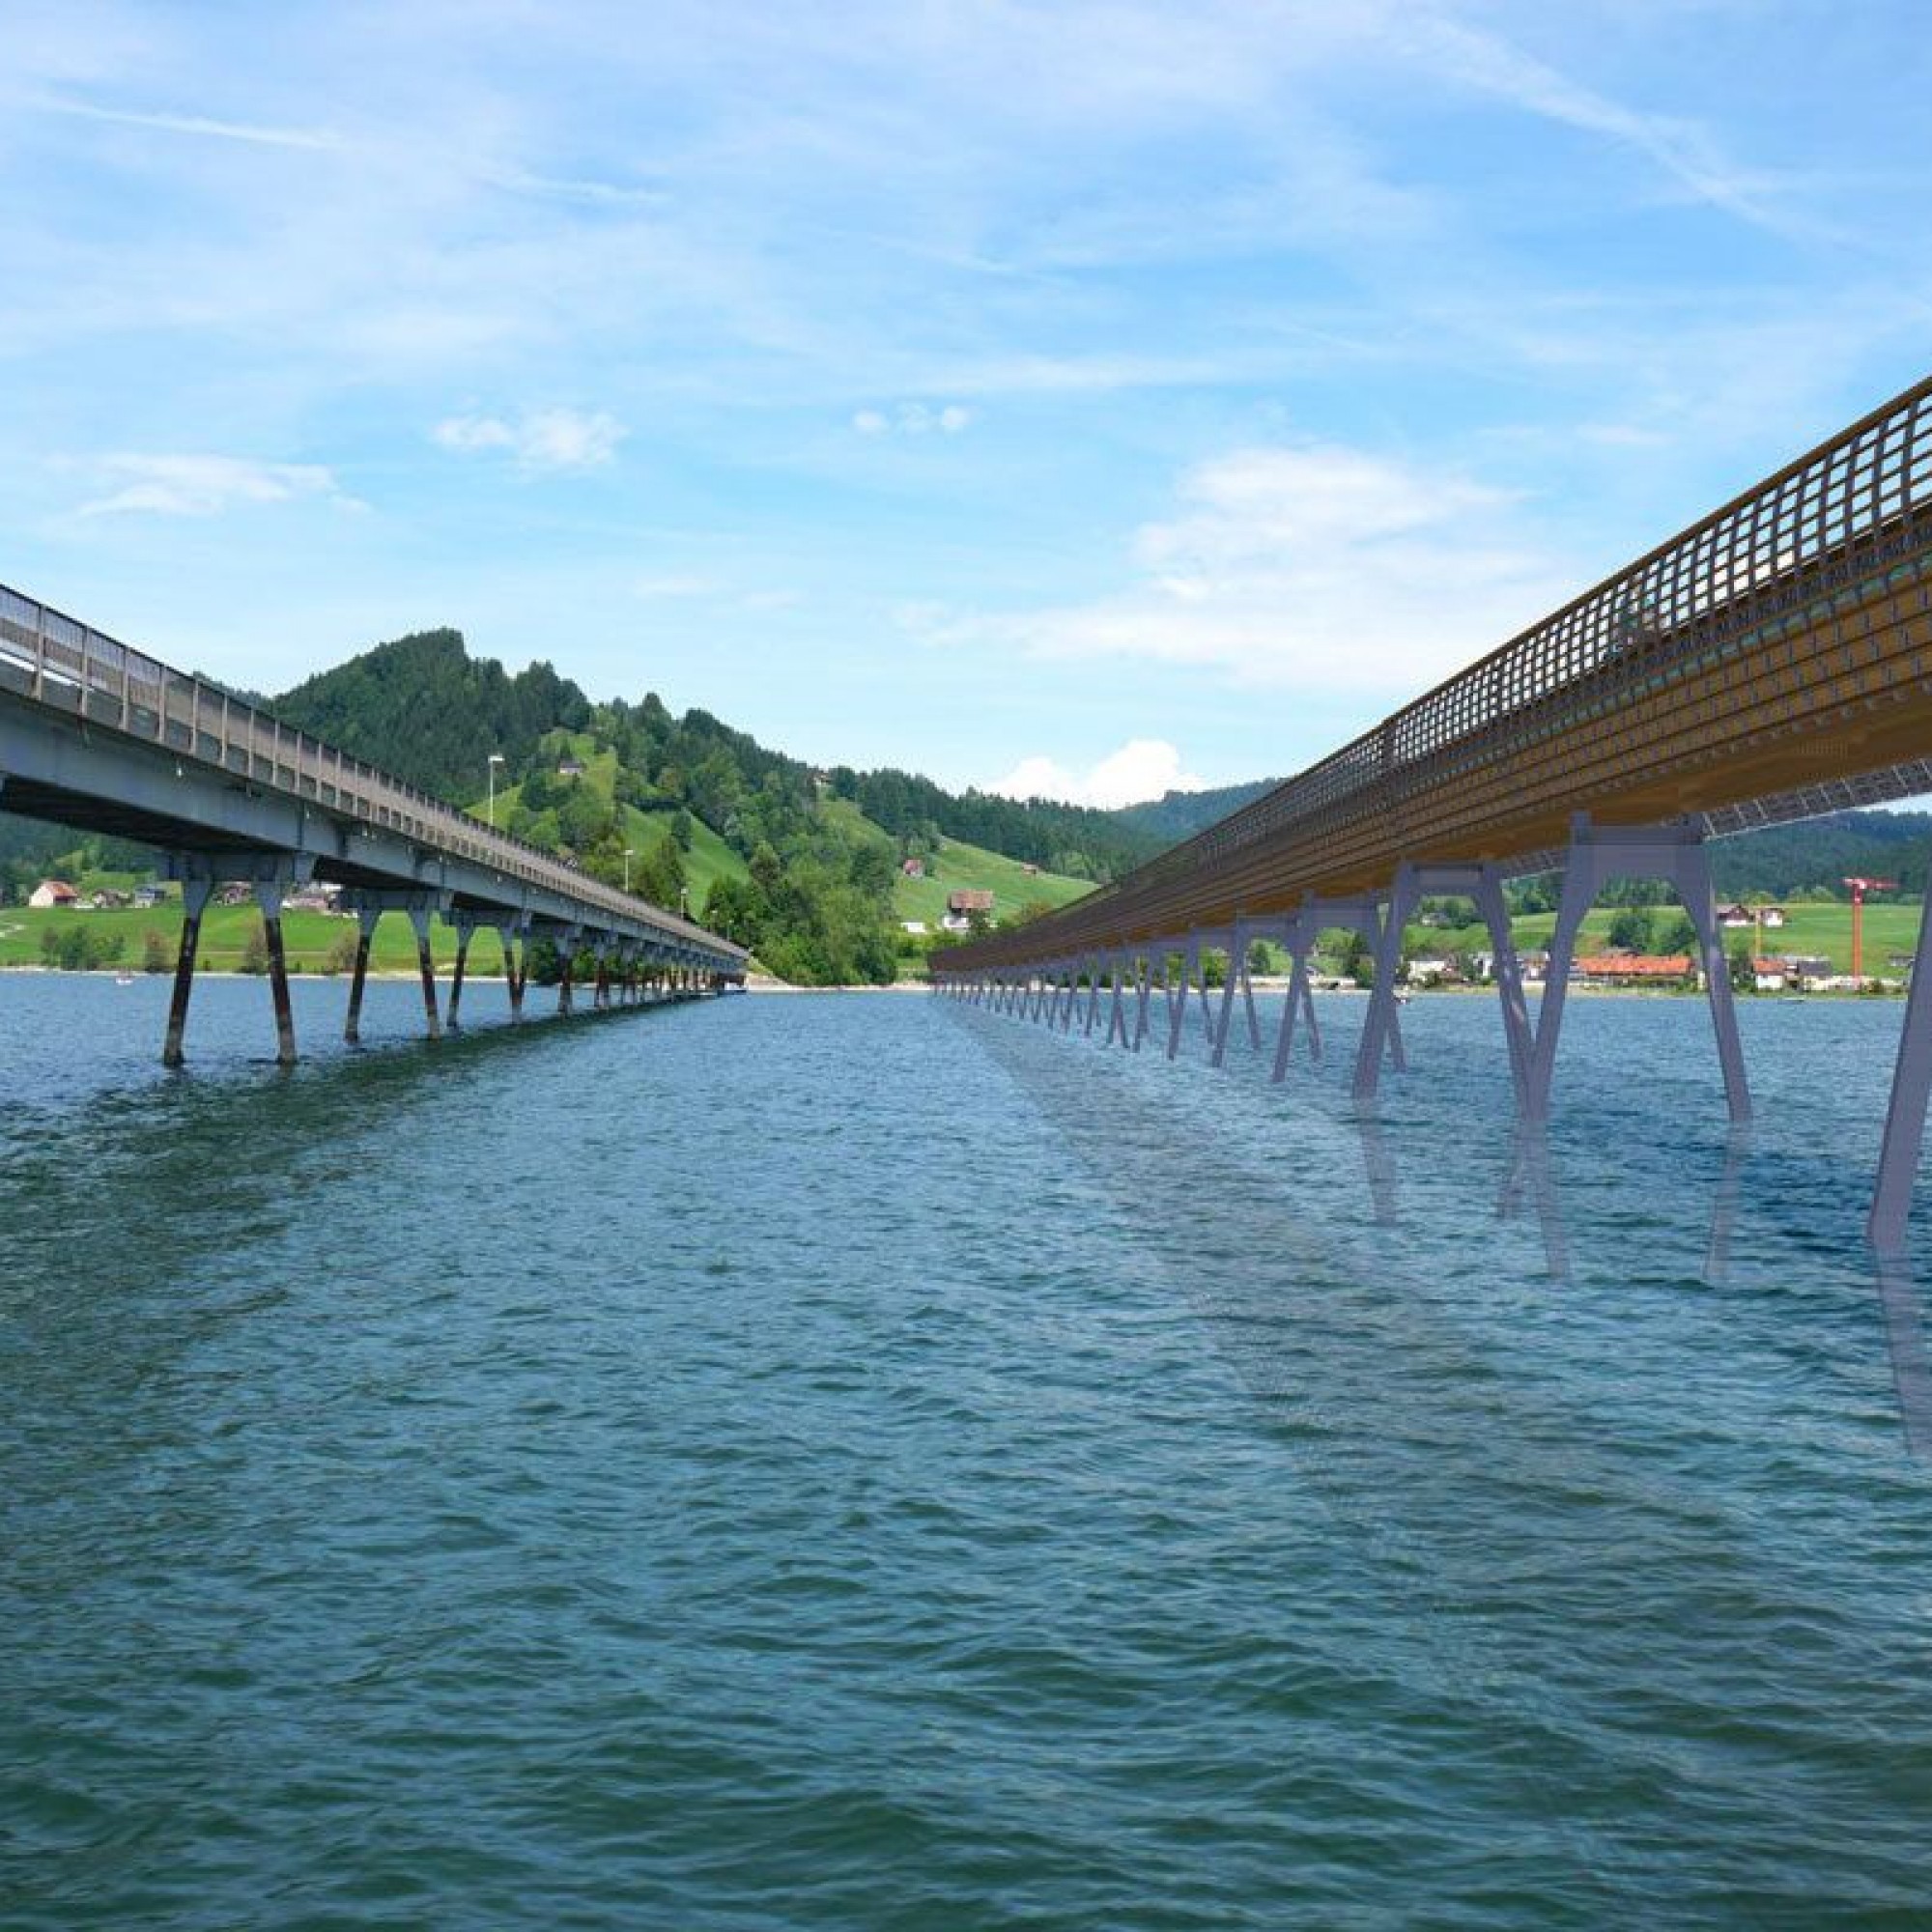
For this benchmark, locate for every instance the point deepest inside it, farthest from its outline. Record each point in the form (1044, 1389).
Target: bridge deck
(100, 736)
(1773, 660)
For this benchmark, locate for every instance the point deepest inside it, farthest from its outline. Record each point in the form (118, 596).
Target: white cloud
(1325, 569)
(1142, 768)
(539, 440)
(913, 419)
(207, 486)
(255, 133)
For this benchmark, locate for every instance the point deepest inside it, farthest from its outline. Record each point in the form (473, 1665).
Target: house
(1534, 967)
(148, 895)
(1737, 916)
(971, 899)
(1806, 969)
(913, 869)
(1032, 871)
(956, 921)
(1769, 976)
(1631, 969)
(234, 891)
(109, 901)
(912, 925)
(52, 893)
(570, 768)
(1426, 969)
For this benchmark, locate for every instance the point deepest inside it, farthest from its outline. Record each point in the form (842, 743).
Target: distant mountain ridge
(1176, 816)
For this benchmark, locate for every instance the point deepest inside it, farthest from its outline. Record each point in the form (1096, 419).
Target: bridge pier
(1481, 882)
(515, 977)
(466, 923)
(269, 898)
(1674, 853)
(1299, 937)
(366, 918)
(1904, 1138)
(271, 875)
(1239, 940)
(426, 969)
(568, 939)
(195, 896)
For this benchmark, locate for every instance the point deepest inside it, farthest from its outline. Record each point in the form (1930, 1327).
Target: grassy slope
(709, 859)
(960, 867)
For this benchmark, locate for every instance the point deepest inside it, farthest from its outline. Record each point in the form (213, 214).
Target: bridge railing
(58, 661)
(1832, 516)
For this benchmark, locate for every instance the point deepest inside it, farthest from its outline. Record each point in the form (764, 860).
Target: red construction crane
(1860, 887)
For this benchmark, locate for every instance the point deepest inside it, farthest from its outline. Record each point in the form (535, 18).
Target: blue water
(849, 1461)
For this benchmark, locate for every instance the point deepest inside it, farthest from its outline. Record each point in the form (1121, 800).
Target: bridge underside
(73, 772)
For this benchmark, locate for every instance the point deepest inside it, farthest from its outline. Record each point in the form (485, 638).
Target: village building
(52, 893)
(913, 869)
(1631, 969)
(1737, 916)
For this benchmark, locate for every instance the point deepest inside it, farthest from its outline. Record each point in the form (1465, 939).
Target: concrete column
(513, 980)
(426, 968)
(465, 931)
(366, 918)
(268, 896)
(195, 895)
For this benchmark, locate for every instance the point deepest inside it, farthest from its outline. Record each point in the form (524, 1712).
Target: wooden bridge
(1772, 662)
(101, 737)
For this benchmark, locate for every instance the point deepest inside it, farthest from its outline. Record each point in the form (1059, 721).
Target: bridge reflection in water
(1412, 1226)
(1772, 662)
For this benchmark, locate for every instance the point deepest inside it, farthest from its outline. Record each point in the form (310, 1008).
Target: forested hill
(426, 710)
(1179, 814)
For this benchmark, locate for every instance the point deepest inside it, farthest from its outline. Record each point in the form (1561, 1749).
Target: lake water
(862, 1462)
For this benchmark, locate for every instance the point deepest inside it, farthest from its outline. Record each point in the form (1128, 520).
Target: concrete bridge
(1773, 662)
(99, 736)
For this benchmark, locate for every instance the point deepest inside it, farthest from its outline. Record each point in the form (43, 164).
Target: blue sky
(1100, 396)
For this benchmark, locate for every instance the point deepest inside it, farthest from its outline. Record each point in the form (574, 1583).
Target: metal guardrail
(73, 668)
(1753, 574)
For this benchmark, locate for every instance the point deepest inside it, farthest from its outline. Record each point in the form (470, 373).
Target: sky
(1083, 398)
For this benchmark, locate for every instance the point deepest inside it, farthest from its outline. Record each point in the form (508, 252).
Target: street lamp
(495, 759)
(627, 868)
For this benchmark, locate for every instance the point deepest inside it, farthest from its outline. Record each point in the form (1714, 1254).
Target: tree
(1680, 936)
(683, 830)
(154, 951)
(1631, 930)
(255, 951)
